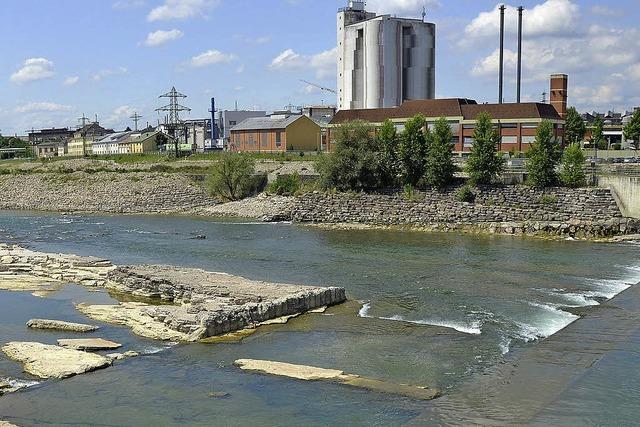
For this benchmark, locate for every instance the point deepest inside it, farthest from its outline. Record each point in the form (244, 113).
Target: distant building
(110, 144)
(613, 128)
(278, 133)
(46, 142)
(81, 143)
(141, 143)
(321, 113)
(517, 123)
(198, 134)
(227, 119)
(46, 150)
(382, 60)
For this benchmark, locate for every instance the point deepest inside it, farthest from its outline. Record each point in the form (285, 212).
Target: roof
(266, 123)
(467, 109)
(113, 138)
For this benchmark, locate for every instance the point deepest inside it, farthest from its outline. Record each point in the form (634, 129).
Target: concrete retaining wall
(627, 190)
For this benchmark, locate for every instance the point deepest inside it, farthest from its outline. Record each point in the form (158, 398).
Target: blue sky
(64, 58)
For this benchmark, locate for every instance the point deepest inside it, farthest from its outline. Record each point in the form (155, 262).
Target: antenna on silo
(424, 11)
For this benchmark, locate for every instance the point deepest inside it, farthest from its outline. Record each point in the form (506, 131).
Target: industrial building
(227, 119)
(383, 60)
(81, 143)
(276, 134)
(517, 122)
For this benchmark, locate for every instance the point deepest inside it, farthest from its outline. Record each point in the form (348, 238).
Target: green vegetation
(485, 164)
(412, 150)
(597, 134)
(234, 178)
(439, 166)
(465, 194)
(573, 160)
(387, 140)
(285, 185)
(632, 130)
(410, 194)
(11, 142)
(574, 128)
(548, 199)
(544, 157)
(356, 163)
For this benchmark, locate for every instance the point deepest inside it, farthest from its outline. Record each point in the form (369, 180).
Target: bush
(548, 199)
(285, 185)
(234, 178)
(410, 194)
(465, 194)
(573, 160)
(616, 146)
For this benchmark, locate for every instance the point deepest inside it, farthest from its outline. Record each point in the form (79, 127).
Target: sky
(65, 58)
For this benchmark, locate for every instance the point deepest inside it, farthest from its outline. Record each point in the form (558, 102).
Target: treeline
(420, 156)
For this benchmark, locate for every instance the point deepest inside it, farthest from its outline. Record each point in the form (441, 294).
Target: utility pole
(83, 121)
(520, 11)
(136, 118)
(174, 108)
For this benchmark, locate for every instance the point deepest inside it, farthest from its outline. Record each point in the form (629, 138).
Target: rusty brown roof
(454, 107)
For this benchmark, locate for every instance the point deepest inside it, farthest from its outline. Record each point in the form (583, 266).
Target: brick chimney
(559, 93)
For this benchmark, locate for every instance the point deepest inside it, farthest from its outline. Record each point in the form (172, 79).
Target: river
(427, 309)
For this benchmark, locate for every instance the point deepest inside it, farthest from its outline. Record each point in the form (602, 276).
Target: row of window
(264, 139)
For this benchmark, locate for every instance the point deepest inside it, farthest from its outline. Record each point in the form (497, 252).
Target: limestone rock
(89, 344)
(311, 373)
(60, 325)
(6, 424)
(50, 361)
(122, 356)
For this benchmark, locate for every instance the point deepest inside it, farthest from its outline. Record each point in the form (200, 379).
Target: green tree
(387, 139)
(597, 134)
(412, 150)
(356, 162)
(573, 160)
(544, 157)
(233, 178)
(574, 128)
(485, 163)
(632, 129)
(440, 169)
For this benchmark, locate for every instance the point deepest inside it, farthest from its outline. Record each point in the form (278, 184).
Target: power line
(136, 118)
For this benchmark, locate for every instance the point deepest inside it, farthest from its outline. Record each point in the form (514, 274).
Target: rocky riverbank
(203, 304)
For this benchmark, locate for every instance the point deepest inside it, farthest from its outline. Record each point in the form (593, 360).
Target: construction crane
(326, 89)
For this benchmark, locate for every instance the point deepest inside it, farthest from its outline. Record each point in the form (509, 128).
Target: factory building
(227, 119)
(383, 60)
(276, 134)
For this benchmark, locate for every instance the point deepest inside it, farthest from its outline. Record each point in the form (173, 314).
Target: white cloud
(37, 107)
(405, 8)
(181, 9)
(102, 74)
(323, 63)
(604, 11)
(160, 37)
(551, 18)
(603, 96)
(634, 72)
(70, 81)
(211, 57)
(33, 69)
(120, 116)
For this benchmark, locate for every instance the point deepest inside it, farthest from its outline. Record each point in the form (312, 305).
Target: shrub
(465, 194)
(409, 193)
(161, 168)
(544, 157)
(233, 178)
(485, 163)
(412, 150)
(548, 199)
(285, 185)
(573, 160)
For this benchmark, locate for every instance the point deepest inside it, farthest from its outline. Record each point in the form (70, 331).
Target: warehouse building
(278, 133)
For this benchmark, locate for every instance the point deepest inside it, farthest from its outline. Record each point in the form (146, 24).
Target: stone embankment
(580, 213)
(205, 303)
(109, 192)
(262, 207)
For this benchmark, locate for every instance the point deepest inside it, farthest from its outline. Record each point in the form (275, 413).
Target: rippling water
(430, 309)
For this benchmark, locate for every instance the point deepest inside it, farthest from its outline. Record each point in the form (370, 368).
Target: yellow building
(276, 134)
(82, 142)
(140, 144)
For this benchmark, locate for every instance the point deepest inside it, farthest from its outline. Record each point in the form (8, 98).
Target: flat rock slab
(312, 373)
(89, 344)
(60, 325)
(50, 361)
(6, 424)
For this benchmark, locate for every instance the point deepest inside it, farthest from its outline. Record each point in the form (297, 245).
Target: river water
(426, 309)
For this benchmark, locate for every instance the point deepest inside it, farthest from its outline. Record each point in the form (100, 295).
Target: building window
(400, 127)
(468, 127)
(528, 139)
(509, 125)
(232, 123)
(529, 126)
(264, 139)
(468, 142)
(278, 139)
(509, 140)
(455, 140)
(455, 127)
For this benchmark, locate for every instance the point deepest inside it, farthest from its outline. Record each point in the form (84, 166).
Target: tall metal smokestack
(520, 10)
(214, 130)
(500, 95)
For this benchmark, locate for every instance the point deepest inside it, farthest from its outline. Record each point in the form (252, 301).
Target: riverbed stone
(89, 344)
(312, 373)
(60, 325)
(50, 361)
